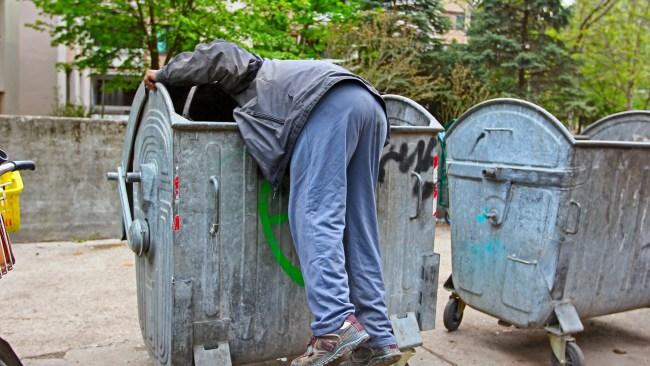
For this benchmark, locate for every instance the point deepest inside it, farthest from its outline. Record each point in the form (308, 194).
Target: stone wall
(68, 196)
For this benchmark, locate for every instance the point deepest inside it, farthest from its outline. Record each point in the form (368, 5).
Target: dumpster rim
(232, 126)
(433, 122)
(612, 144)
(558, 125)
(204, 126)
(606, 119)
(135, 115)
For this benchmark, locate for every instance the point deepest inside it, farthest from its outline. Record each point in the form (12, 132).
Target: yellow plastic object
(11, 184)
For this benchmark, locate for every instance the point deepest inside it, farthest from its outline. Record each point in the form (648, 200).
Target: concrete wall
(68, 196)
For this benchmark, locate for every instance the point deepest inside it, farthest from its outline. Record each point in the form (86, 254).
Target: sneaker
(381, 356)
(331, 349)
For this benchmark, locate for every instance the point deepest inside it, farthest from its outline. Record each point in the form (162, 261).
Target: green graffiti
(268, 221)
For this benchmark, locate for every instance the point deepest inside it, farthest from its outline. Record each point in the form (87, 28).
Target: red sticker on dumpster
(176, 225)
(177, 186)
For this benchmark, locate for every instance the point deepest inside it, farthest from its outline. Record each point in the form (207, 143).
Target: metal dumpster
(548, 230)
(218, 281)
(442, 211)
(624, 126)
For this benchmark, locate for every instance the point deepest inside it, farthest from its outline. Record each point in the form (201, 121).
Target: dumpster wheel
(453, 314)
(574, 356)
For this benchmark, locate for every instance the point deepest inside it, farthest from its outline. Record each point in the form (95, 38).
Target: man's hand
(150, 79)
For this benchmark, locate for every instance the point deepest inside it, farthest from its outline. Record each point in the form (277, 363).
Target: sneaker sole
(387, 361)
(344, 350)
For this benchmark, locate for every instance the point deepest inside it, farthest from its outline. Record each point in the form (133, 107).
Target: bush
(69, 110)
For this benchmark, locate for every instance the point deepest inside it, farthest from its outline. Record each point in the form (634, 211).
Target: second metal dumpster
(218, 280)
(624, 126)
(548, 230)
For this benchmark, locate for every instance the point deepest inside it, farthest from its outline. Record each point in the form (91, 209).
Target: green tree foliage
(611, 42)
(384, 51)
(129, 36)
(513, 49)
(457, 86)
(390, 43)
(425, 16)
(457, 91)
(287, 29)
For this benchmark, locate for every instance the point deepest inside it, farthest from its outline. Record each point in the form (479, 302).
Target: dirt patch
(106, 246)
(48, 356)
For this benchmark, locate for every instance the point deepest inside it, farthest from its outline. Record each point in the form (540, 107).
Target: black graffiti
(421, 157)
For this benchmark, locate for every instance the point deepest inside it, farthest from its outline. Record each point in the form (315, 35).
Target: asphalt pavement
(75, 304)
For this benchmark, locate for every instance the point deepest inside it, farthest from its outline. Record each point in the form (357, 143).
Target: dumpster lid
(142, 98)
(516, 102)
(511, 132)
(405, 112)
(633, 126)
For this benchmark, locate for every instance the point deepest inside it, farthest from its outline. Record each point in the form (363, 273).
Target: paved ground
(75, 304)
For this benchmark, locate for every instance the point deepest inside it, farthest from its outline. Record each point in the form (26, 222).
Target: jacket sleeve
(220, 61)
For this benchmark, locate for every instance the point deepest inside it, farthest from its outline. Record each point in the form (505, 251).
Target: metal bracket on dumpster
(407, 331)
(429, 293)
(217, 355)
(497, 194)
(573, 218)
(568, 318)
(148, 173)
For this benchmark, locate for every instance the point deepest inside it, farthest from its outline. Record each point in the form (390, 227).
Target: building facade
(30, 82)
(28, 76)
(459, 13)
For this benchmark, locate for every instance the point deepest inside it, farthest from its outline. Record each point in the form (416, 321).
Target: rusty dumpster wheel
(453, 314)
(574, 356)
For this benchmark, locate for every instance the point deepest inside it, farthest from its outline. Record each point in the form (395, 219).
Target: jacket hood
(226, 62)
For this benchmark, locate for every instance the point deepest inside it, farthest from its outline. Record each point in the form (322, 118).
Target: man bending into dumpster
(326, 127)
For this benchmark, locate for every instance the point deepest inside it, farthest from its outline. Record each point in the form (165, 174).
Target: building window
(109, 96)
(460, 22)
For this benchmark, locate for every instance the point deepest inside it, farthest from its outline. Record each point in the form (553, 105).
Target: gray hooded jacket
(275, 97)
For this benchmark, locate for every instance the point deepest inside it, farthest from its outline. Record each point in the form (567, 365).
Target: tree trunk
(629, 95)
(521, 75)
(149, 36)
(153, 39)
(153, 51)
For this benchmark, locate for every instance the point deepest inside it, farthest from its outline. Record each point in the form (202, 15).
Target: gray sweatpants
(333, 213)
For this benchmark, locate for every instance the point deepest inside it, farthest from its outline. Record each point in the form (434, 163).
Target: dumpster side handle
(188, 104)
(137, 232)
(214, 228)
